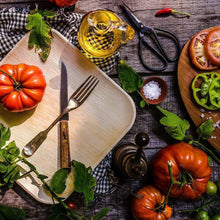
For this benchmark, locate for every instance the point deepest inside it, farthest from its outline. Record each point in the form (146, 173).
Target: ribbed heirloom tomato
(21, 86)
(63, 3)
(190, 169)
(147, 204)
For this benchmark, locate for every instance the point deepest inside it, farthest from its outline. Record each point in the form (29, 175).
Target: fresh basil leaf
(205, 129)
(58, 181)
(174, 126)
(129, 79)
(101, 214)
(12, 213)
(84, 181)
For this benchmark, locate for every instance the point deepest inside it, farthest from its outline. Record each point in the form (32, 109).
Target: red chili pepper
(170, 10)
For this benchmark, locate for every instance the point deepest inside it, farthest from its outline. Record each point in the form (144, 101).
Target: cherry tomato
(216, 217)
(198, 54)
(211, 188)
(71, 205)
(212, 46)
(202, 215)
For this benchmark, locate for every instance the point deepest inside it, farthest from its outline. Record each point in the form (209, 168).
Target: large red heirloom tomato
(190, 168)
(147, 204)
(63, 3)
(21, 86)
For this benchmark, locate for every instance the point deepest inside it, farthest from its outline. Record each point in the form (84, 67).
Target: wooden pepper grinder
(129, 159)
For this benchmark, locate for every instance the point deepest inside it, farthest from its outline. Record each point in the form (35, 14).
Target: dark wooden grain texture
(205, 14)
(64, 145)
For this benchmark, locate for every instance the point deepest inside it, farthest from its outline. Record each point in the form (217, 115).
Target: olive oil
(102, 33)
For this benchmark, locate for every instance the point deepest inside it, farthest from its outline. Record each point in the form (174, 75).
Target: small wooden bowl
(162, 85)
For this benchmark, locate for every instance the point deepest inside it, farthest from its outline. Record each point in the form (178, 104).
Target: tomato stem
(200, 208)
(16, 84)
(207, 149)
(172, 182)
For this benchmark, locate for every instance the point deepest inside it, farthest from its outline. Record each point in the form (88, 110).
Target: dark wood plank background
(204, 14)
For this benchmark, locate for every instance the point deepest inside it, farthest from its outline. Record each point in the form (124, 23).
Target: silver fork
(76, 99)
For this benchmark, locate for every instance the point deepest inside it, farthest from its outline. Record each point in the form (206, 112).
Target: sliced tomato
(212, 46)
(198, 54)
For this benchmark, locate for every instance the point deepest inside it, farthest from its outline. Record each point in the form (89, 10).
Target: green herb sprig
(130, 80)
(10, 172)
(40, 32)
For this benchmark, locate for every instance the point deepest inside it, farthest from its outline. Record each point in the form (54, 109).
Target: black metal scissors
(144, 32)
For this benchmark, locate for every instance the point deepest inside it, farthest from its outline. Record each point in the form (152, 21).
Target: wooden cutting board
(186, 73)
(94, 128)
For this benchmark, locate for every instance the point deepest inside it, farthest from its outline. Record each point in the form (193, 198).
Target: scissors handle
(158, 51)
(143, 42)
(172, 37)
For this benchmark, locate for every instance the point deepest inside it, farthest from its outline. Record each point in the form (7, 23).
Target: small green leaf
(101, 214)
(49, 14)
(5, 134)
(84, 181)
(129, 79)
(58, 181)
(205, 129)
(142, 103)
(174, 126)
(12, 213)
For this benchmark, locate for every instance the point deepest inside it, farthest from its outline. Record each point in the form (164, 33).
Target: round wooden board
(186, 73)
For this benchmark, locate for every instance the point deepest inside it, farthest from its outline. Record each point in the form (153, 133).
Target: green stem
(207, 149)
(13, 79)
(54, 195)
(172, 182)
(202, 207)
(142, 97)
(180, 12)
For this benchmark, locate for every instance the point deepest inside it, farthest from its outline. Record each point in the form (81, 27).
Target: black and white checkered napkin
(12, 29)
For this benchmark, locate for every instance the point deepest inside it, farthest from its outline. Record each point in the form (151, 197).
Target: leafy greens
(40, 35)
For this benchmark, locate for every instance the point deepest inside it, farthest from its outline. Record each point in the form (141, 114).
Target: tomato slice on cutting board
(198, 53)
(212, 46)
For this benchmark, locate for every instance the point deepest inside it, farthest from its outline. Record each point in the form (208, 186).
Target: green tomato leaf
(57, 209)
(84, 181)
(101, 214)
(142, 103)
(205, 129)
(12, 213)
(174, 126)
(129, 79)
(58, 181)
(5, 134)
(48, 14)
(40, 35)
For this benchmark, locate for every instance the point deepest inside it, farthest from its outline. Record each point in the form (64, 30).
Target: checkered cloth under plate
(12, 29)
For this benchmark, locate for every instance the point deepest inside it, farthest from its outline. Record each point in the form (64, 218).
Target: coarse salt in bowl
(154, 90)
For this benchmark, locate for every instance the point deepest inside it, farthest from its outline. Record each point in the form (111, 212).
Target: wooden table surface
(204, 14)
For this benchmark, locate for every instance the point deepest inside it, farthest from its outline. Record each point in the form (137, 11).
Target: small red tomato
(71, 205)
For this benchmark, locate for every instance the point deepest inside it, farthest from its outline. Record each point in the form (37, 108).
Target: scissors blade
(133, 19)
